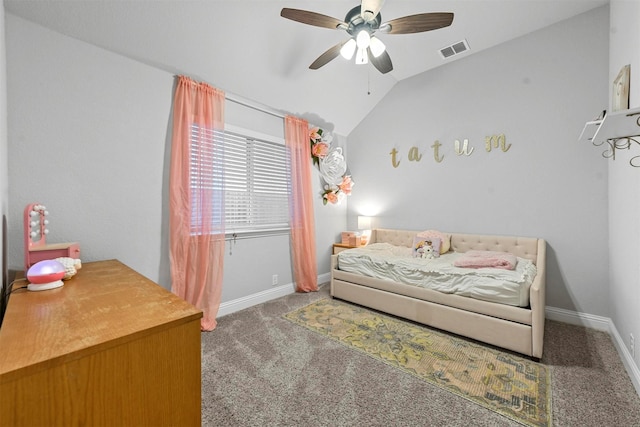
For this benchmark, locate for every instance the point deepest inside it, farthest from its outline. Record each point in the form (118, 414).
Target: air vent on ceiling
(454, 49)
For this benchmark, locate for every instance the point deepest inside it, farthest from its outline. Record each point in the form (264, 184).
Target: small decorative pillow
(487, 259)
(425, 248)
(445, 239)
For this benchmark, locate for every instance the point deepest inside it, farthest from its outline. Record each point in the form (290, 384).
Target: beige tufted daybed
(520, 329)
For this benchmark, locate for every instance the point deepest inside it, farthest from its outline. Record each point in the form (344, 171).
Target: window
(255, 175)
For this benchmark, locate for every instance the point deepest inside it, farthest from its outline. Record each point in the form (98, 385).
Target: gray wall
(538, 91)
(88, 132)
(624, 181)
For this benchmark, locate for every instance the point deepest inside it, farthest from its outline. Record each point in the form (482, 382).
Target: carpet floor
(259, 369)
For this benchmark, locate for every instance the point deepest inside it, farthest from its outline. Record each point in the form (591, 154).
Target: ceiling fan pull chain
(368, 80)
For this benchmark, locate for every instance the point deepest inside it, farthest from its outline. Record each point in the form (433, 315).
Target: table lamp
(364, 225)
(44, 275)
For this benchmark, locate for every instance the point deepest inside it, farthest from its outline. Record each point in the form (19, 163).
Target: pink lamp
(45, 275)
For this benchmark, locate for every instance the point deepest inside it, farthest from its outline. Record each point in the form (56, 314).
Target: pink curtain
(196, 214)
(303, 239)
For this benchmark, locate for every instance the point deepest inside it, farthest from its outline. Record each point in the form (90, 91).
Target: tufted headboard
(524, 247)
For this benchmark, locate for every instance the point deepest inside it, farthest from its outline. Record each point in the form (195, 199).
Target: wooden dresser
(110, 347)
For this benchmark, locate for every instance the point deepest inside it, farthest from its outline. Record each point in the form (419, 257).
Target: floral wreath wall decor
(332, 166)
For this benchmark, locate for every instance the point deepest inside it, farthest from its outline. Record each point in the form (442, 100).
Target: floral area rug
(512, 386)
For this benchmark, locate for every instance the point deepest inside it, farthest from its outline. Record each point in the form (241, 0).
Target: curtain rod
(251, 104)
(254, 105)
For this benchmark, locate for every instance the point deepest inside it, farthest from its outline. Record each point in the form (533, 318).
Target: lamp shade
(364, 222)
(362, 57)
(377, 47)
(348, 49)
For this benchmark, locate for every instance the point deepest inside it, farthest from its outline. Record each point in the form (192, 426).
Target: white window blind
(255, 175)
(205, 181)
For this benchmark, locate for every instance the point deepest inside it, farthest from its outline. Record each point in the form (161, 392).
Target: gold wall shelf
(618, 130)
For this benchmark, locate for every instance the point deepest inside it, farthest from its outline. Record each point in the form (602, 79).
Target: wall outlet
(274, 280)
(632, 344)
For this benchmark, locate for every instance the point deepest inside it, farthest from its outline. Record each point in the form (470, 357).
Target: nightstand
(339, 247)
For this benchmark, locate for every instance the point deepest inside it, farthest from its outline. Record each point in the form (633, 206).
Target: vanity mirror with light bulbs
(35, 238)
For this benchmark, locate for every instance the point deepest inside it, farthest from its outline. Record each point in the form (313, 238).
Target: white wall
(538, 90)
(624, 181)
(87, 133)
(89, 138)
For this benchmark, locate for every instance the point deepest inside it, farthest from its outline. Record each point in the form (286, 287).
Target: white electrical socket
(632, 343)
(274, 280)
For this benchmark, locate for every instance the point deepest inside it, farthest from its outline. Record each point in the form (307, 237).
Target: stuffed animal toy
(71, 266)
(425, 250)
(428, 252)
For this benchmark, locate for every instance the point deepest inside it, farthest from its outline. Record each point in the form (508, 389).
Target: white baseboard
(625, 355)
(576, 318)
(324, 278)
(602, 324)
(263, 296)
(254, 299)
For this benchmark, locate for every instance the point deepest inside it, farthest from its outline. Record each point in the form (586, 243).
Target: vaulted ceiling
(247, 49)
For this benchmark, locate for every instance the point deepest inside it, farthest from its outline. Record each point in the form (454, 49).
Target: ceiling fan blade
(331, 54)
(311, 18)
(382, 62)
(370, 8)
(418, 23)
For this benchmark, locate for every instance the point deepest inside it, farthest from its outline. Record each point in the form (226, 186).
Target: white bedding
(396, 263)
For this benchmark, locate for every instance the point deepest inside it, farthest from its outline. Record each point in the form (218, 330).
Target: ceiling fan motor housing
(357, 23)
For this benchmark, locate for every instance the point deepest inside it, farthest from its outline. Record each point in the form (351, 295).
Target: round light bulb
(33, 234)
(363, 39)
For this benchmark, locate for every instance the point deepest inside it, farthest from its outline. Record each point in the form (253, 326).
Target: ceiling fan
(361, 23)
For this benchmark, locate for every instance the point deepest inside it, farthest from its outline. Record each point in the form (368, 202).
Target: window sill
(255, 234)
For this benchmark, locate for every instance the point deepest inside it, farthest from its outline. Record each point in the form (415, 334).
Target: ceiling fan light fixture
(361, 23)
(362, 57)
(348, 49)
(363, 39)
(377, 47)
